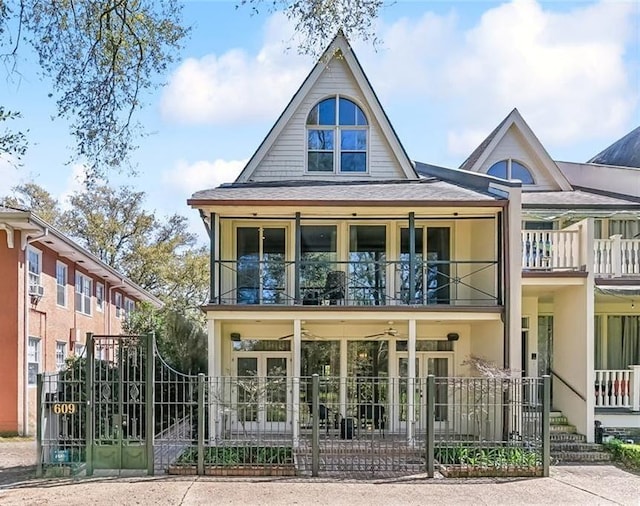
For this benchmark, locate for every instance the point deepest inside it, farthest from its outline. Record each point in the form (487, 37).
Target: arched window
(510, 169)
(337, 137)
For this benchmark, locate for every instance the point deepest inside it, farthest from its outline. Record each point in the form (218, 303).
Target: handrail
(568, 385)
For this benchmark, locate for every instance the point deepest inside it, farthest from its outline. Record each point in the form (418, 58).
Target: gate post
(88, 430)
(39, 422)
(546, 436)
(315, 425)
(431, 413)
(150, 402)
(201, 411)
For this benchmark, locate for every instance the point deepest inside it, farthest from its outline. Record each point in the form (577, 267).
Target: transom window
(511, 169)
(337, 131)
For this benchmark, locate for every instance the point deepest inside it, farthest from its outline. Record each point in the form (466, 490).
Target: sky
(446, 73)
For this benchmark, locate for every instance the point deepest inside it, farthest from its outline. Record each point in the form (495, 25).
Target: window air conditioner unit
(36, 290)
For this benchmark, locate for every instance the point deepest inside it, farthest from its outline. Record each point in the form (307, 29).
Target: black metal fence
(279, 425)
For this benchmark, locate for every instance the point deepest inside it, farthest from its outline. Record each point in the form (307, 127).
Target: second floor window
(61, 284)
(83, 294)
(34, 260)
(129, 306)
(99, 297)
(510, 169)
(337, 136)
(118, 303)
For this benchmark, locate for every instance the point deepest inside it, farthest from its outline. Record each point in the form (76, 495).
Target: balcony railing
(357, 283)
(550, 250)
(617, 257)
(618, 388)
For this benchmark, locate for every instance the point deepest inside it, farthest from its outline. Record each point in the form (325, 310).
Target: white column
(411, 380)
(213, 331)
(296, 346)
(616, 255)
(635, 387)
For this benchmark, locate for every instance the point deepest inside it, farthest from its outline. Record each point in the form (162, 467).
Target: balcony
(618, 388)
(357, 283)
(559, 250)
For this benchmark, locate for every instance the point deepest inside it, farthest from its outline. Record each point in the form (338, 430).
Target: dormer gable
(334, 128)
(512, 151)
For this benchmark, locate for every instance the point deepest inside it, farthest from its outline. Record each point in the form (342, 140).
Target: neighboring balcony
(551, 250)
(618, 388)
(358, 283)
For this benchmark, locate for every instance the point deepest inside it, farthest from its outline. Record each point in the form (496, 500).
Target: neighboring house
(330, 254)
(53, 293)
(580, 270)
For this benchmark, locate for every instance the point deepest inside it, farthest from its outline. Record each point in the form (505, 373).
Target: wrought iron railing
(357, 283)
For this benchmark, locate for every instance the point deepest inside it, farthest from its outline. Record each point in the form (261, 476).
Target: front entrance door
(440, 365)
(262, 392)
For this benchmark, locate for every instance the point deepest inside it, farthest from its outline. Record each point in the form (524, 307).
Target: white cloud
(75, 183)
(235, 87)
(202, 174)
(565, 71)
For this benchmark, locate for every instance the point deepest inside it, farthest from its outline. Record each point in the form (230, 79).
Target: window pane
(353, 162)
(353, 140)
(327, 112)
(315, 238)
(350, 113)
(320, 162)
(519, 171)
(498, 169)
(320, 140)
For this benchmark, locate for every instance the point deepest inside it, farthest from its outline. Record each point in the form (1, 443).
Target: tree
(101, 56)
(35, 198)
(317, 21)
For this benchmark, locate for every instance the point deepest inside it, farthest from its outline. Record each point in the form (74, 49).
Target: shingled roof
(625, 152)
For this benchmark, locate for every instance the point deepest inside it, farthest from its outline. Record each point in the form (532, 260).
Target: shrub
(627, 454)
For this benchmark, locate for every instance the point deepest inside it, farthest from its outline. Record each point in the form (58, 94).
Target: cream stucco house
(334, 254)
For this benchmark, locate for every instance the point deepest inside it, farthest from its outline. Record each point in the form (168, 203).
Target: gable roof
(338, 48)
(625, 152)
(486, 147)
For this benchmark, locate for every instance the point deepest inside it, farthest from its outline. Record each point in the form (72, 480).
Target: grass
(239, 455)
(16, 439)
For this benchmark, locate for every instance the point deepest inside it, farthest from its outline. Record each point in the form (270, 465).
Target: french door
(440, 365)
(261, 268)
(262, 393)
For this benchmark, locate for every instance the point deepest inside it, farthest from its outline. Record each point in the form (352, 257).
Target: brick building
(52, 292)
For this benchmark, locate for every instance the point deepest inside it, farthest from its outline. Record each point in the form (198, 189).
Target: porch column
(214, 329)
(411, 379)
(635, 387)
(296, 345)
(296, 263)
(212, 257)
(616, 255)
(412, 257)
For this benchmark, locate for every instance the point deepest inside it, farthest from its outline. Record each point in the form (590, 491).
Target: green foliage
(37, 199)
(13, 145)
(317, 21)
(627, 454)
(239, 455)
(100, 57)
(498, 457)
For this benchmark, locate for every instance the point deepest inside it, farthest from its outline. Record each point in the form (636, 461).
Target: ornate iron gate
(120, 393)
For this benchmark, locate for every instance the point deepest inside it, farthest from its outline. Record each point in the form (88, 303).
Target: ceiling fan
(303, 332)
(391, 332)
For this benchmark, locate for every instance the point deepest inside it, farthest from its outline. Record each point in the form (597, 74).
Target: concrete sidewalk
(604, 484)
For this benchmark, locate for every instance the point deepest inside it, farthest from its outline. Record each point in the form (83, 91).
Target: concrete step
(567, 437)
(562, 428)
(580, 457)
(573, 446)
(558, 420)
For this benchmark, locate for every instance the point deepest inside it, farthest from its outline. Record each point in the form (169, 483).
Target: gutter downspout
(25, 355)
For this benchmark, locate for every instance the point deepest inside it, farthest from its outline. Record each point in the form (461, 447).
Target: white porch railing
(618, 388)
(551, 249)
(617, 257)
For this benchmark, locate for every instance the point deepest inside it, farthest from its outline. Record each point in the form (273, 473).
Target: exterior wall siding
(287, 157)
(514, 146)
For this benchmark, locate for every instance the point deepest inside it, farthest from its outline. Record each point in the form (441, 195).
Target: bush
(627, 454)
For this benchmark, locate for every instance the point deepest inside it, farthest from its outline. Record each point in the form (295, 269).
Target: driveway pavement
(602, 484)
